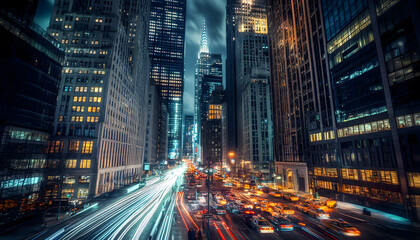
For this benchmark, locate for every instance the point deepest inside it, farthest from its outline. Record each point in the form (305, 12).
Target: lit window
(85, 163)
(87, 146)
(414, 180)
(71, 163)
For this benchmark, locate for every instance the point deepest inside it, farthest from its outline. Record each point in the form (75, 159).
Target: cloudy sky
(214, 13)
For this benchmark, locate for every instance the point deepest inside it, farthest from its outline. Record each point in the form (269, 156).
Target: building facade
(208, 75)
(31, 62)
(253, 99)
(152, 129)
(211, 130)
(100, 121)
(300, 88)
(187, 141)
(230, 138)
(166, 47)
(373, 74)
(362, 55)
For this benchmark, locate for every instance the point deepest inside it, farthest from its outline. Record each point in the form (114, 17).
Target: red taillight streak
(227, 228)
(220, 233)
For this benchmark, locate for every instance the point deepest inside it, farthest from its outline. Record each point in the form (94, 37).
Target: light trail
(131, 213)
(228, 230)
(187, 212)
(165, 230)
(180, 212)
(220, 232)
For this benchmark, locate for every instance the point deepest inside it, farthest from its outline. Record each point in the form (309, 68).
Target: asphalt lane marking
(362, 220)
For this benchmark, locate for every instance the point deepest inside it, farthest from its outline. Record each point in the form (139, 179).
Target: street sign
(208, 216)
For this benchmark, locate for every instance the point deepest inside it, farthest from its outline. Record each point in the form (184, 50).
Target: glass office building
(166, 47)
(373, 49)
(352, 96)
(30, 66)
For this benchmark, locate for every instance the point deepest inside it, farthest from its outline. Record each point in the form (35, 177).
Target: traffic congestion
(225, 208)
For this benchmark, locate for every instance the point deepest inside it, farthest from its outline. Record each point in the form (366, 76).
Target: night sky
(214, 13)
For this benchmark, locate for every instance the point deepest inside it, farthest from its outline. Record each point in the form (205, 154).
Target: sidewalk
(377, 214)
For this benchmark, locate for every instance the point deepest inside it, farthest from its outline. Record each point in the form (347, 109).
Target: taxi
(341, 227)
(262, 225)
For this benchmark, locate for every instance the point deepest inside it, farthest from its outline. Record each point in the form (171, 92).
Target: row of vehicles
(314, 208)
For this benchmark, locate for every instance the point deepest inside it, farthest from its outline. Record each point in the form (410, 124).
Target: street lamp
(231, 155)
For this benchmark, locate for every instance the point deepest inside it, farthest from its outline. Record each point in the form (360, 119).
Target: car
(233, 207)
(264, 203)
(248, 213)
(262, 225)
(254, 201)
(259, 192)
(265, 214)
(248, 205)
(318, 213)
(291, 197)
(283, 210)
(303, 207)
(220, 209)
(267, 209)
(276, 194)
(221, 201)
(281, 223)
(341, 227)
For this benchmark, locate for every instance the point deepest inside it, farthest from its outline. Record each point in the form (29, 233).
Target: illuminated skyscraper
(248, 31)
(166, 47)
(100, 120)
(208, 75)
(345, 80)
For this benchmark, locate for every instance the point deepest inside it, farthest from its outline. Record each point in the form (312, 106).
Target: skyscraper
(363, 55)
(208, 75)
(211, 130)
(100, 120)
(187, 145)
(166, 47)
(374, 72)
(230, 139)
(30, 66)
(253, 99)
(300, 89)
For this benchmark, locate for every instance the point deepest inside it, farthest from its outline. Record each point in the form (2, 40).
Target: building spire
(204, 40)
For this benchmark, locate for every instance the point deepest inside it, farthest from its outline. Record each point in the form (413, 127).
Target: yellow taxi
(342, 227)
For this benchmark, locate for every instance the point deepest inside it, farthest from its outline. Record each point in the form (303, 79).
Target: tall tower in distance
(166, 49)
(208, 75)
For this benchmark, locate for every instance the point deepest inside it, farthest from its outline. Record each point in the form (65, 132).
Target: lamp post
(275, 181)
(231, 155)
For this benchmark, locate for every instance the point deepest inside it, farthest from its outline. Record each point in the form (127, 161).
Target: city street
(129, 217)
(233, 226)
